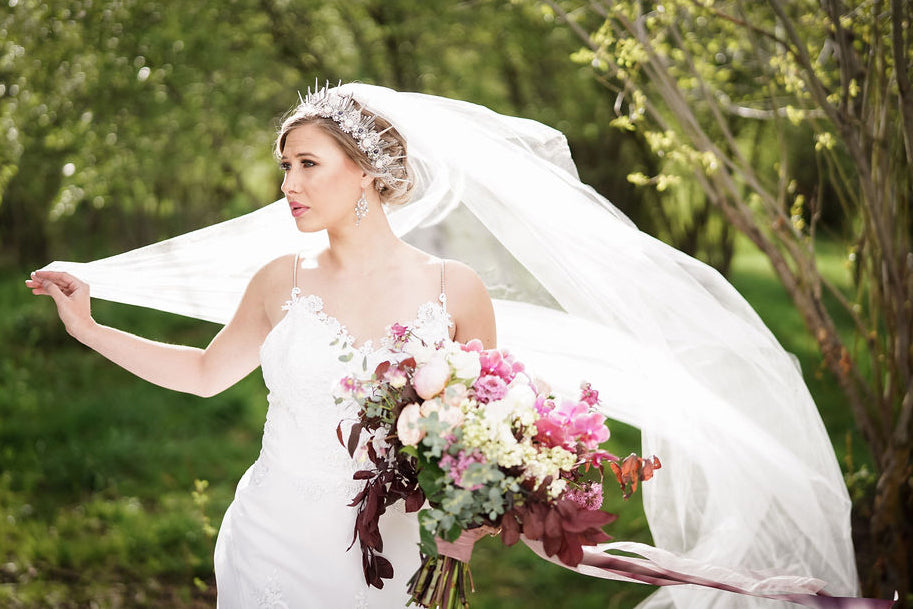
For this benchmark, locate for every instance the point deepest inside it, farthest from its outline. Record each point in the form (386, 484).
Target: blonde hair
(394, 186)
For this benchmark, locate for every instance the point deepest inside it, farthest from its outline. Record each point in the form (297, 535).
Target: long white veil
(749, 478)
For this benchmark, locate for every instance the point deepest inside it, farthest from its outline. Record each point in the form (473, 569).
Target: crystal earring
(361, 208)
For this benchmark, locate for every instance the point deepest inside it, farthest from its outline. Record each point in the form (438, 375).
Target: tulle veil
(749, 480)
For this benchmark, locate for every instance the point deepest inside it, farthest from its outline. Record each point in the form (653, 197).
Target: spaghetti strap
(443, 296)
(296, 291)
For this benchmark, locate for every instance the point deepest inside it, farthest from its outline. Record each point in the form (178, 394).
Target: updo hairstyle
(394, 186)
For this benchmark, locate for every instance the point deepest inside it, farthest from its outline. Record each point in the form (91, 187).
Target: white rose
(520, 397)
(421, 352)
(497, 410)
(465, 364)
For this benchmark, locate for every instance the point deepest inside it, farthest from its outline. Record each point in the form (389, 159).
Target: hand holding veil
(749, 478)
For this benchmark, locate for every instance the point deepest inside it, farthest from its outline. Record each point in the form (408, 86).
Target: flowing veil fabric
(749, 480)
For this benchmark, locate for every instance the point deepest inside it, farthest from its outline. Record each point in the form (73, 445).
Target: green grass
(752, 275)
(97, 468)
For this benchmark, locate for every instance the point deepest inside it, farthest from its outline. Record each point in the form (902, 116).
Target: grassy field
(98, 469)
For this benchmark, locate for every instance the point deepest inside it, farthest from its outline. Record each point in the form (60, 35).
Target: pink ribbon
(800, 590)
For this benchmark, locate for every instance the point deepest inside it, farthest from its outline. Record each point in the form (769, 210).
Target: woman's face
(321, 182)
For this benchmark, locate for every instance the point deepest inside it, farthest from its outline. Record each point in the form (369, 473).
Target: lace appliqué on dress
(361, 600)
(271, 596)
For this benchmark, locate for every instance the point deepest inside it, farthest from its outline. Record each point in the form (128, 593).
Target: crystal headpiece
(343, 110)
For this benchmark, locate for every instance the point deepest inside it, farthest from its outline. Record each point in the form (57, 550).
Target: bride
(284, 538)
(749, 480)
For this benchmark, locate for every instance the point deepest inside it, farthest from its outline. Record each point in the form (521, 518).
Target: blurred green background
(125, 122)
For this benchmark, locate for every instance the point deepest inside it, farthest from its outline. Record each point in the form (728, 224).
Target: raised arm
(231, 355)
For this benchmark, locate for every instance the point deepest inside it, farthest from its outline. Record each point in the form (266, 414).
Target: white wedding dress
(283, 542)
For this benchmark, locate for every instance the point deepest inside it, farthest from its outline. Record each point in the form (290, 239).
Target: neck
(363, 247)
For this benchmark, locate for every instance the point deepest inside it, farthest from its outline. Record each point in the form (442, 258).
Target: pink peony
(431, 378)
(451, 415)
(429, 406)
(407, 427)
(489, 388)
(455, 394)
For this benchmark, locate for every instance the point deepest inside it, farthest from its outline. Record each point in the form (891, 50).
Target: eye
(285, 166)
(307, 163)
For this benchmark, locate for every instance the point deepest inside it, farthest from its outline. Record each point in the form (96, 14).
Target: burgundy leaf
(553, 524)
(362, 474)
(415, 500)
(339, 433)
(384, 567)
(571, 553)
(510, 529)
(533, 523)
(361, 495)
(551, 545)
(354, 435)
(381, 369)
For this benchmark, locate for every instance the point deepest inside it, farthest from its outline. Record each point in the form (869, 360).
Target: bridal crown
(343, 110)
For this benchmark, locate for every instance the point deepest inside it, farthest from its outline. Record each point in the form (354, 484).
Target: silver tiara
(343, 110)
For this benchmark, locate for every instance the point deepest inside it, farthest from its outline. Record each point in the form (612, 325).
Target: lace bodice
(305, 355)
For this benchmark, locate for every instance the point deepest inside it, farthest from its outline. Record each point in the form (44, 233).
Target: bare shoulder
(469, 304)
(271, 285)
(462, 282)
(280, 267)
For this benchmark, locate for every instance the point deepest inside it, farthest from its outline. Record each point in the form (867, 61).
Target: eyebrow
(302, 154)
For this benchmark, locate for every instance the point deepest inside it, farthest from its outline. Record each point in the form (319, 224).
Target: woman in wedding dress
(749, 477)
(283, 541)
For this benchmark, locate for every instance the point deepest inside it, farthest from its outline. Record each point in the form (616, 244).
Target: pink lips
(298, 209)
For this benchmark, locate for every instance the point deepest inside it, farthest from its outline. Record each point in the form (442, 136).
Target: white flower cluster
(494, 428)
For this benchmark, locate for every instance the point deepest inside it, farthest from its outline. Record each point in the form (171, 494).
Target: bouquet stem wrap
(441, 581)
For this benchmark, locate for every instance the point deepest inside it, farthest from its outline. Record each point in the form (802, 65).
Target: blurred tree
(130, 112)
(741, 96)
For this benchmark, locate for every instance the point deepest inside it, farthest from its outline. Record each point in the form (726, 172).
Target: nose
(288, 184)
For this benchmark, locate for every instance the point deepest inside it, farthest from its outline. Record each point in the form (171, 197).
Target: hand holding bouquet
(467, 430)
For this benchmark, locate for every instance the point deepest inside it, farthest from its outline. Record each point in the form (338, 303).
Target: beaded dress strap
(296, 291)
(443, 296)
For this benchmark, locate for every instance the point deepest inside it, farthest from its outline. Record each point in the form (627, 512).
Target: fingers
(50, 288)
(40, 282)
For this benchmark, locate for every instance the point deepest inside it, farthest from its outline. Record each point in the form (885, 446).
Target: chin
(308, 227)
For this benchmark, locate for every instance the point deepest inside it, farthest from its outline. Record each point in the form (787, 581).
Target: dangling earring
(361, 208)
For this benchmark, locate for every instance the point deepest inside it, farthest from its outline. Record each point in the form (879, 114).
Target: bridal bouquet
(466, 430)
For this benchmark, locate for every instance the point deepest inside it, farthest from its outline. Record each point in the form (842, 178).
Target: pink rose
(429, 406)
(407, 427)
(451, 415)
(455, 394)
(431, 378)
